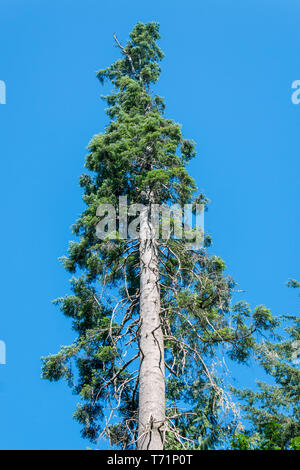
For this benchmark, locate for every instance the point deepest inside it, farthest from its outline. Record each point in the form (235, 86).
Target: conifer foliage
(152, 316)
(273, 411)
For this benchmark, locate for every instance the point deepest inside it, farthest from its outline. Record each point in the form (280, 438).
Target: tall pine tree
(152, 316)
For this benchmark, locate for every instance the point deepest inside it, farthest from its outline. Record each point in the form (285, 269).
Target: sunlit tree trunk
(152, 376)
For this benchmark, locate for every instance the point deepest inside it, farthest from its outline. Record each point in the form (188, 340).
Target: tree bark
(151, 342)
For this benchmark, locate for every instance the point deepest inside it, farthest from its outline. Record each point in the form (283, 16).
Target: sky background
(226, 77)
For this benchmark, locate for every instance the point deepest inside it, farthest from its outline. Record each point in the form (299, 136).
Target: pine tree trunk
(152, 375)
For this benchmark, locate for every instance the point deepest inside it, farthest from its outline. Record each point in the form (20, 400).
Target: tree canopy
(142, 155)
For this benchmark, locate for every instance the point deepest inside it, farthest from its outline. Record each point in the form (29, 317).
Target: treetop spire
(140, 59)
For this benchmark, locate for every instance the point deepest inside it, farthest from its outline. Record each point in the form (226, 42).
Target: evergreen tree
(274, 410)
(152, 315)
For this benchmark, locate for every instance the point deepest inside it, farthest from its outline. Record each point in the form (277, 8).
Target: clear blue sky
(226, 77)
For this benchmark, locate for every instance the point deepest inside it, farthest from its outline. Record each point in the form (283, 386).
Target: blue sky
(226, 77)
